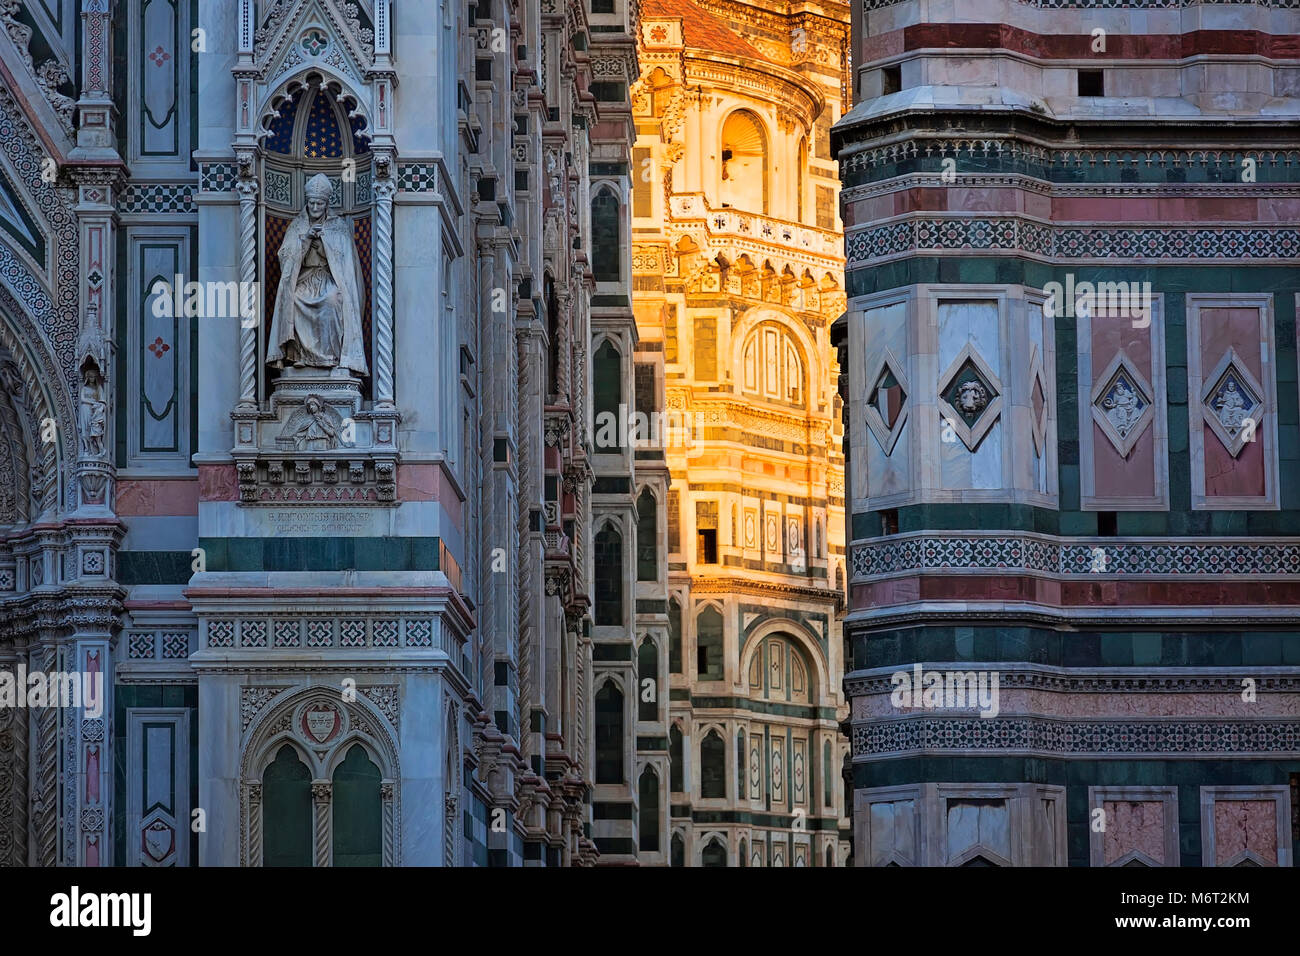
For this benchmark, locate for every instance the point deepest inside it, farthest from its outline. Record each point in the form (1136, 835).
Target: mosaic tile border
(1050, 240)
(158, 198)
(347, 632)
(1090, 738)
(1010, 156)
(1118, 4)
(1034, 554)
(217, 177)
(1060, 682)
(418, 177)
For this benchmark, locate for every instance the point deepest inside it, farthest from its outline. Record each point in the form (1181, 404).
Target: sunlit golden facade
(737, 276)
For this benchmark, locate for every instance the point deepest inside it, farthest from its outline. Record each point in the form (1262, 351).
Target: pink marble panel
(984, 200)
(1279, 210)
(1222, 329)
(1227, 476)
(419, 482)
(218, 483)
(1110, 333)
(157, 496)
(1245, 825)
(1118, 477)
(1037, 205)
(1102, 209)
(1134, 825)
(870, 209)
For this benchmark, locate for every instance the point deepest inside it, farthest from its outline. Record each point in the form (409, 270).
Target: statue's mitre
(318, 187)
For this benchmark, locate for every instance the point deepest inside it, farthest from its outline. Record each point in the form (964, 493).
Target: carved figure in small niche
(1122, 408)
(94, 411)
(1232, 408)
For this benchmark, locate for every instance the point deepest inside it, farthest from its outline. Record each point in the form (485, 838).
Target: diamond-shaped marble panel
(1122, 403)
(970, 396)
(887, 405)
(1232, 403)
(969, 393)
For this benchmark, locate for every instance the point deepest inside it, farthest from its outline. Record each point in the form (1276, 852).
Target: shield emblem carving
(159, 839)
(321, 721)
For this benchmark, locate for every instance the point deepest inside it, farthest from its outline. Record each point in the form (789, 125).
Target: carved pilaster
(95, 111)
(96, 187)
(565, 371)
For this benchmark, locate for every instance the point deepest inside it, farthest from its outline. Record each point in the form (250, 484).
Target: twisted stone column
(525, 498)
(389, 850)
(321, 793)
(255, 824)
(45, 803)
(449, 832)
(384, 190)
(248, 332)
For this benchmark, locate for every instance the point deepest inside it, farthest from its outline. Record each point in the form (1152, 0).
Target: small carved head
(971, 397)
(318, 191)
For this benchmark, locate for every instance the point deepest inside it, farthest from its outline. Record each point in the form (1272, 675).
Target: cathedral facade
(301, 304)
(1072, 270)
(737, 272)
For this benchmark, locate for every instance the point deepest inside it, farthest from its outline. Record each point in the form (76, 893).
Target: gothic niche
(321, 441)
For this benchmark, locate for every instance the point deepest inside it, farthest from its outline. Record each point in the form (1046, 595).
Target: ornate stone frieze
(1032, 553)
(1080, 738)
(1068, 241)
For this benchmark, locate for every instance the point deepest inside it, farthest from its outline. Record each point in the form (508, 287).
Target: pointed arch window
(358, 813)
(609, 734)
(675, 774)
(827, 775)
(674, 636)
(609, 576)
(287, 821)
(606, 236)
(647, 537)
(607, 395)
(713, 767)
(647, 668)
(648, 822)
(715, 854)
(708, 645)
(553, 337)
(740, 767)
